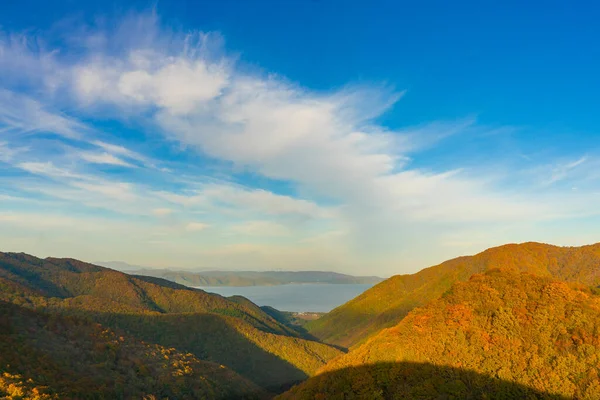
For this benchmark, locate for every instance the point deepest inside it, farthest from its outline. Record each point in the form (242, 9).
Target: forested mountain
(387, 303)
(517, 321)
(253, 278)
(231, 332)
(500, 335)
(49, 356)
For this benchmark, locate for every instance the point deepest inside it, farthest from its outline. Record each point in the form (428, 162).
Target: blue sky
(368, 138)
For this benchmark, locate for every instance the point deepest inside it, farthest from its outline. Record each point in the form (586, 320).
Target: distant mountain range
(242, 278)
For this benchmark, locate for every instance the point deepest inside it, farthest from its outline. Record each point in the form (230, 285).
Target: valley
(484, 326)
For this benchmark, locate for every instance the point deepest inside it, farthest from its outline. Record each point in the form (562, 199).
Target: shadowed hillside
(272, 361)
(410, 381)
(54, 357)
(72, 283)
(529, 330)
(232, 332)
(387, 303)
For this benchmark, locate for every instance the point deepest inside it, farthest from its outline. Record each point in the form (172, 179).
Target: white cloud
(186, 200)
(24, 59)
(49, 169)
(8, 153)
(162, 212)
(562, 171)
(362, 185)
(325, 143)
(149, 76)
(261, 228)
(263, 201)
(115, 190)
(179, 86)
(21, 115)
(104, 158)
(196, 226)
(45, 221)
(114, 149)
(244, 200)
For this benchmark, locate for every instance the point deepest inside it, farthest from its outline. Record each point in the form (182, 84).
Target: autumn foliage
(539, 336)
(514, 322)
(387, 303)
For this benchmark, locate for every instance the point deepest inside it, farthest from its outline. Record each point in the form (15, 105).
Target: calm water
(295, 297)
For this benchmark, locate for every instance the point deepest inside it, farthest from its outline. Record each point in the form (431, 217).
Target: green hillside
(233, 332)
(500, 335)
(387, 303)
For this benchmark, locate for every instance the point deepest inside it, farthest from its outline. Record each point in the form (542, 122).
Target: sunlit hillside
(388, 302)
(500, 335)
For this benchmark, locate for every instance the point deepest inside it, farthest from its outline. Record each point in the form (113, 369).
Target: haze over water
(315, 297)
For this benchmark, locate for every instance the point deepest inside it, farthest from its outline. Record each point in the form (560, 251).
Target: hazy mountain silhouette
(254, 278)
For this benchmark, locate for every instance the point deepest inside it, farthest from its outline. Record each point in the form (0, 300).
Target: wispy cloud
(239, 199)
(314, 167)
(161, 212)
(261, 228)
(196, 226)
(116, 150)
(21, 115)
(104, 158)
(561, 171)
(49, 169)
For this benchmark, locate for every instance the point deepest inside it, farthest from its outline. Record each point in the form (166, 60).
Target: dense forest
(387, 303)
(517, 321)
(56, 357)
(234, 332)
(534, 336)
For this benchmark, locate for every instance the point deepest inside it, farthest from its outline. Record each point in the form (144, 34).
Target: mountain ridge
(247, 278)
(211, 327)
(48, 356)
(533, 331)
(388, 302)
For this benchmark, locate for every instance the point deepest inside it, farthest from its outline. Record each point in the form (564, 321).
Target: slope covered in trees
(232, 332)
(533, 336)
(72, 283)
(411, 381)
(387, 303)
(55, 357)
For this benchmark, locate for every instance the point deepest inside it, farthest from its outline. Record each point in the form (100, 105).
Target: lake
(316, 297)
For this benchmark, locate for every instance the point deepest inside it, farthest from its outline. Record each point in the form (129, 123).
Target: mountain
(48, 356)
(516, 321)
(245, 278)
(233, 332)
(387, 303)
(502, 334)
(119, 266)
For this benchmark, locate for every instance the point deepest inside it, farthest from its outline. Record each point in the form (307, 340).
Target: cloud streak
(314, 168)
